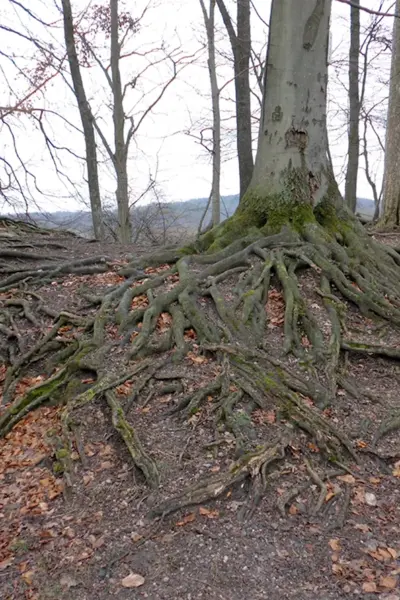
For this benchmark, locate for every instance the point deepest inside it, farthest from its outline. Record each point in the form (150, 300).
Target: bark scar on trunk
(312, 25)
(296, 137)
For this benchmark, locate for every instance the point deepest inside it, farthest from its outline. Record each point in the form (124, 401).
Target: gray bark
(241, 49)
(209, 23)
(354, 109)
(293, 125)
(120, 146)
(391, 193)
(87, 122)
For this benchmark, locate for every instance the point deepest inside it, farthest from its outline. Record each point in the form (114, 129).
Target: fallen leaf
(381, 554)
(293, 510)
(211, 514)
(362, 527)
(335, 544)
(347, 479)
(313, 447)
(331, 494)
(28, 577)
(389, 582)
(396, 470)
(361, 444)
(369, 587)
(374, 480)
(135, 536)
(6, 563)
(187, 519)
(133, 580)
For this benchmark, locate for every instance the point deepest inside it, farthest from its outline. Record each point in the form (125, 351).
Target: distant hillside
(182, 215)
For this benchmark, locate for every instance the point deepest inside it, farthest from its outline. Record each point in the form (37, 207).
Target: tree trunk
(241, 48)
(216, 162)
(391, 192)
(120, 155)
(87, 122)
(242, 86)
(354, 110)
(292, 159)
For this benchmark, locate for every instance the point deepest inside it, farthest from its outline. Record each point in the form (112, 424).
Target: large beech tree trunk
(291, 164)
(391, 191)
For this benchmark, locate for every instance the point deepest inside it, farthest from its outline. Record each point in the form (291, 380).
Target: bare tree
(391, 190)
(87, 122)
(121, 144)
(354, 109)
(240, 41)
(120, 27)
(209, 22)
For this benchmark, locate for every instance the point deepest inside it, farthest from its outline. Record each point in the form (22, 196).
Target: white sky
(161, 147)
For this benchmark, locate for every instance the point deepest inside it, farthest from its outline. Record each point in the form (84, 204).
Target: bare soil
(82, 543)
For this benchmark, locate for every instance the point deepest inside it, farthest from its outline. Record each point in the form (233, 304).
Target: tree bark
(354, 110)
(292, 158)
(391, 193)
(209, 22)
(241, 49)
(87, 122)
(120, 152)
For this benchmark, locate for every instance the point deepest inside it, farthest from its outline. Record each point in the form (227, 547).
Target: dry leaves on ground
(275, 308)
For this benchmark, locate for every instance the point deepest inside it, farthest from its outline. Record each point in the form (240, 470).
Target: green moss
(261, 213)
(19, 546)
(188, 250)
(58, 468)
(62, 453)
(248, 294)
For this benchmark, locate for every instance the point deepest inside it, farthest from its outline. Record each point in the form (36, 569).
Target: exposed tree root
(141, 459)
(253, 464)
(229, 323)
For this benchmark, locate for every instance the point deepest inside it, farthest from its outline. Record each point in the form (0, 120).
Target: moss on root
(261, 214)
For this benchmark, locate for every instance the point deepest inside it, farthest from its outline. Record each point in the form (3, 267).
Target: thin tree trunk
(87, 123)
(354, 110)
(120, 156)
(242, 84)
(292, 164)
(241, 49)
(391, 191)
(209, 22)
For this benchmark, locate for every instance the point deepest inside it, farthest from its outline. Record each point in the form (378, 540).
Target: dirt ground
(96, 539)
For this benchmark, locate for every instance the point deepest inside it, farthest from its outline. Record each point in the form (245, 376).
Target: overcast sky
(162, 147)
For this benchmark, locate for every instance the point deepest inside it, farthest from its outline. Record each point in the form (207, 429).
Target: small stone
(133, 580)
(135, 536)
(67, 581)
(370, 499)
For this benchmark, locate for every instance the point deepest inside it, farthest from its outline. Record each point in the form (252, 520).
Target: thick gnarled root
(254, 465)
